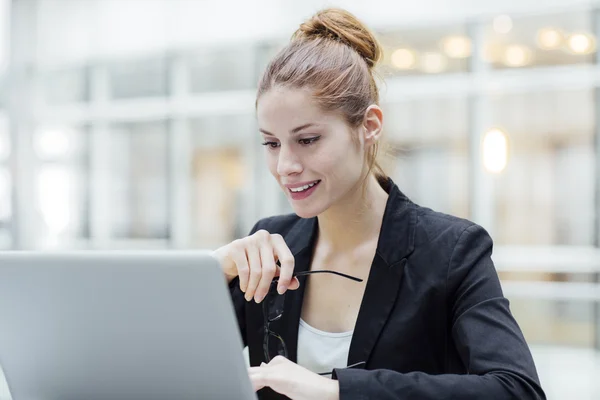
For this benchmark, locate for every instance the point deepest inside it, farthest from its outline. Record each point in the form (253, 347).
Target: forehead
(283, 107)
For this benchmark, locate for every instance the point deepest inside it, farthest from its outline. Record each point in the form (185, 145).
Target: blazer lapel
(378, 301)
(396, 242)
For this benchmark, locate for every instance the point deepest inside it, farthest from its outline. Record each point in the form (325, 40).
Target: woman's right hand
(253, 259)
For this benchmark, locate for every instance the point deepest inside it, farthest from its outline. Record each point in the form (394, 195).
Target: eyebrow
(293, 131)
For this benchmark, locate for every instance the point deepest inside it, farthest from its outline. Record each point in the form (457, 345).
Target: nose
(288, 163)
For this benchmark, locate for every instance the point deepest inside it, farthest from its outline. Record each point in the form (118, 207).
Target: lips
(304, 190)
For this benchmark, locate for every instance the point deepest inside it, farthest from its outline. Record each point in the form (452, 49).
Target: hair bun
(340, 25)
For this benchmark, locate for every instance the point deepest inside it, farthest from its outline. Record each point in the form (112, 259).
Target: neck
(357, 219)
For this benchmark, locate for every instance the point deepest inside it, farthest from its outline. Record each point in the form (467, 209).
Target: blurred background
(130, 124)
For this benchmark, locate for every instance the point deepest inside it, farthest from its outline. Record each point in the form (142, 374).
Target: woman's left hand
(290, 379)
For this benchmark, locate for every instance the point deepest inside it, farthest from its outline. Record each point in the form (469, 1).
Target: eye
(309, 140)
(272, 145)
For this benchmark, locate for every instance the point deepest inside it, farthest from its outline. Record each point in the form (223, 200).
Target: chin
(306, 212)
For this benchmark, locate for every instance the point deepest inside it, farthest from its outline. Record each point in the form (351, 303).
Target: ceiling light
(581, 43)
(457, 46)
(549, 38)
(517, 56)
(503, 24)
(433, 62)
(404, 59)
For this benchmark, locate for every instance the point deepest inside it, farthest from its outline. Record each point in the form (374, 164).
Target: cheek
(345, 159)
(336, 164)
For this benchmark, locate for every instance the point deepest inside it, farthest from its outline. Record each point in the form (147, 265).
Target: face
(311, 153)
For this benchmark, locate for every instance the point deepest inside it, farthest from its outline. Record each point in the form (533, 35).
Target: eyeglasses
(273, 310)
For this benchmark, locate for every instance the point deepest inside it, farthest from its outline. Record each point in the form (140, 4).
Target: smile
(305, 187)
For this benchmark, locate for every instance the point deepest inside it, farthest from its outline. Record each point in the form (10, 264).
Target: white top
(320, 351)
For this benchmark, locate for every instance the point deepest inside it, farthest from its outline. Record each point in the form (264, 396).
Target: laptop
(117, 326)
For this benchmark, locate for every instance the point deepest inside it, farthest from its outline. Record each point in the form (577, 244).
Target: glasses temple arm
(324, 271)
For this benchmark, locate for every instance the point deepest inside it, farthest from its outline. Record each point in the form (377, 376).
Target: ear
(373, 125)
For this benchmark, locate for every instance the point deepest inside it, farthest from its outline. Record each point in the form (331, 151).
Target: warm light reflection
(433, 62)
(495, 151)
(517, 56)
(503, 24)
(54, 188)
(492, 52)
(404, 59)
(457, 46)
(582, 43)
(549, 38)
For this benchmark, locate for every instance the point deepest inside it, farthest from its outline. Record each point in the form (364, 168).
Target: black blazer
(433, 322)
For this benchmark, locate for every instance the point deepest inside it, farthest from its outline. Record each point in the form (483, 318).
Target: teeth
(303, 188)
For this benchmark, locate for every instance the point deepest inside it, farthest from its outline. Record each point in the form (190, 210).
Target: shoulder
(444, 241)
(435, 224)
(409, 228)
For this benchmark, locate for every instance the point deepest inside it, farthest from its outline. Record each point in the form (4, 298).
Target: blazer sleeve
(238, 300)
(485, 334)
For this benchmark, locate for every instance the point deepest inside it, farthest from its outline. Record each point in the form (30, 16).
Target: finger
(286, 259)
(241, 263)
(257, 378)
(294, 283)
(278, 360)
(253, 255)
(268, 271)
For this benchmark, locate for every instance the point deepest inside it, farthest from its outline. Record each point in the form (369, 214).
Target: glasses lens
(274, 346)
(280, 348)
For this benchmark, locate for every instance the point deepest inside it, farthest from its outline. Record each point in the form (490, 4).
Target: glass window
(429, 156)
(66, 86)
(537, 201)
(62, 203)
(139, 78)
(425, 51)
(5, 208)
(556, 322)
(5, 186)
(559, 317)
(62, 184)
(540, 40)
(219, 175)
(3, 93)
(232, 68)
(140, 192)
(56, 143)
(5, 144)
(265, 52)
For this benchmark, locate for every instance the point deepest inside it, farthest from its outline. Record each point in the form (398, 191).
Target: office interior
(129, 124)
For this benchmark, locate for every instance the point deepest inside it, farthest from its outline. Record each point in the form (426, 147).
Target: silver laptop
(117, 326)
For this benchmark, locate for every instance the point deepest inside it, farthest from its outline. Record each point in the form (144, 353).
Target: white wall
(76, 30)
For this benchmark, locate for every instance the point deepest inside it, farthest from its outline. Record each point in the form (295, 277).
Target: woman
(411, 307)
